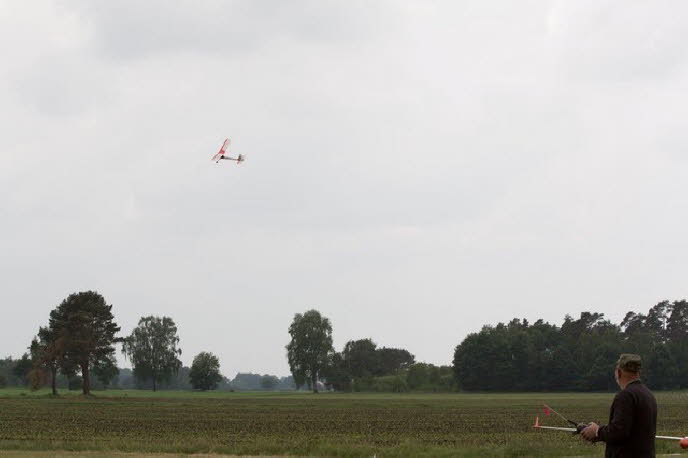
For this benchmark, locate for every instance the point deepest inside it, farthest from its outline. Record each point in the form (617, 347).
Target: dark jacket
(632, 423)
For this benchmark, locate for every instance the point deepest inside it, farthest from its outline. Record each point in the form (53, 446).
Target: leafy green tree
(633, 323)
(226, 384)
(677, 322)
(679, 353)
(483, 361)
(558, 369)
(579, 355)
(336, 373)
(392, 360)
(520, 349)
(83, 322)
(22, 368)
(269, 382)
(47, 353)
(428, 377)
(3, 381)
(360, 357)
(434, 375)
(637, 335)
(205, 372)
(677, 340)
(390, 384)
(105, 371)
(657, 321)
(37, 378)
(7, 366)
(247, 381)
(592, 342)
(418, 375)
(179, 381)
(600, 375)
(152, 349)
(252, 382)
(446, 382)
(661, 370)
(286, 383)
(310, 347)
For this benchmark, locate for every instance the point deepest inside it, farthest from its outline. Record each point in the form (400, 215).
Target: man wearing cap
(632, 417)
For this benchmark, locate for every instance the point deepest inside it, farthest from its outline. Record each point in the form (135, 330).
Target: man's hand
(590, 432)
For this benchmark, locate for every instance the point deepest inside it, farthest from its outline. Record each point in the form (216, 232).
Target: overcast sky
(416, 169)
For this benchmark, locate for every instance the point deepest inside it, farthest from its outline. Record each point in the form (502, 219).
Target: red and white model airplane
(220, 155)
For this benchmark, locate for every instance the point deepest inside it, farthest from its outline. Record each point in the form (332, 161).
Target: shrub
(363, 384)
(390, 384)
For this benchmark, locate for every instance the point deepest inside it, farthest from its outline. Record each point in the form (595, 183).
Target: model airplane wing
(223, 149)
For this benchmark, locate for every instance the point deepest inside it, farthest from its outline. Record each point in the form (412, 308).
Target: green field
(307, 424)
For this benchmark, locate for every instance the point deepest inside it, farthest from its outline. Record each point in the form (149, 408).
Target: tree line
(77, 346)
(578, 355)
(15, 373)
(78, 343)
(360, 366)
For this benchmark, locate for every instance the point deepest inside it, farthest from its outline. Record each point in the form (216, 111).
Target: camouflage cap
(629, 362)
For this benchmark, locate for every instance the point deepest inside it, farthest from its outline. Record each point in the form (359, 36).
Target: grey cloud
(131, 29)
(406, 161)
(61, 86)
(619, 42)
